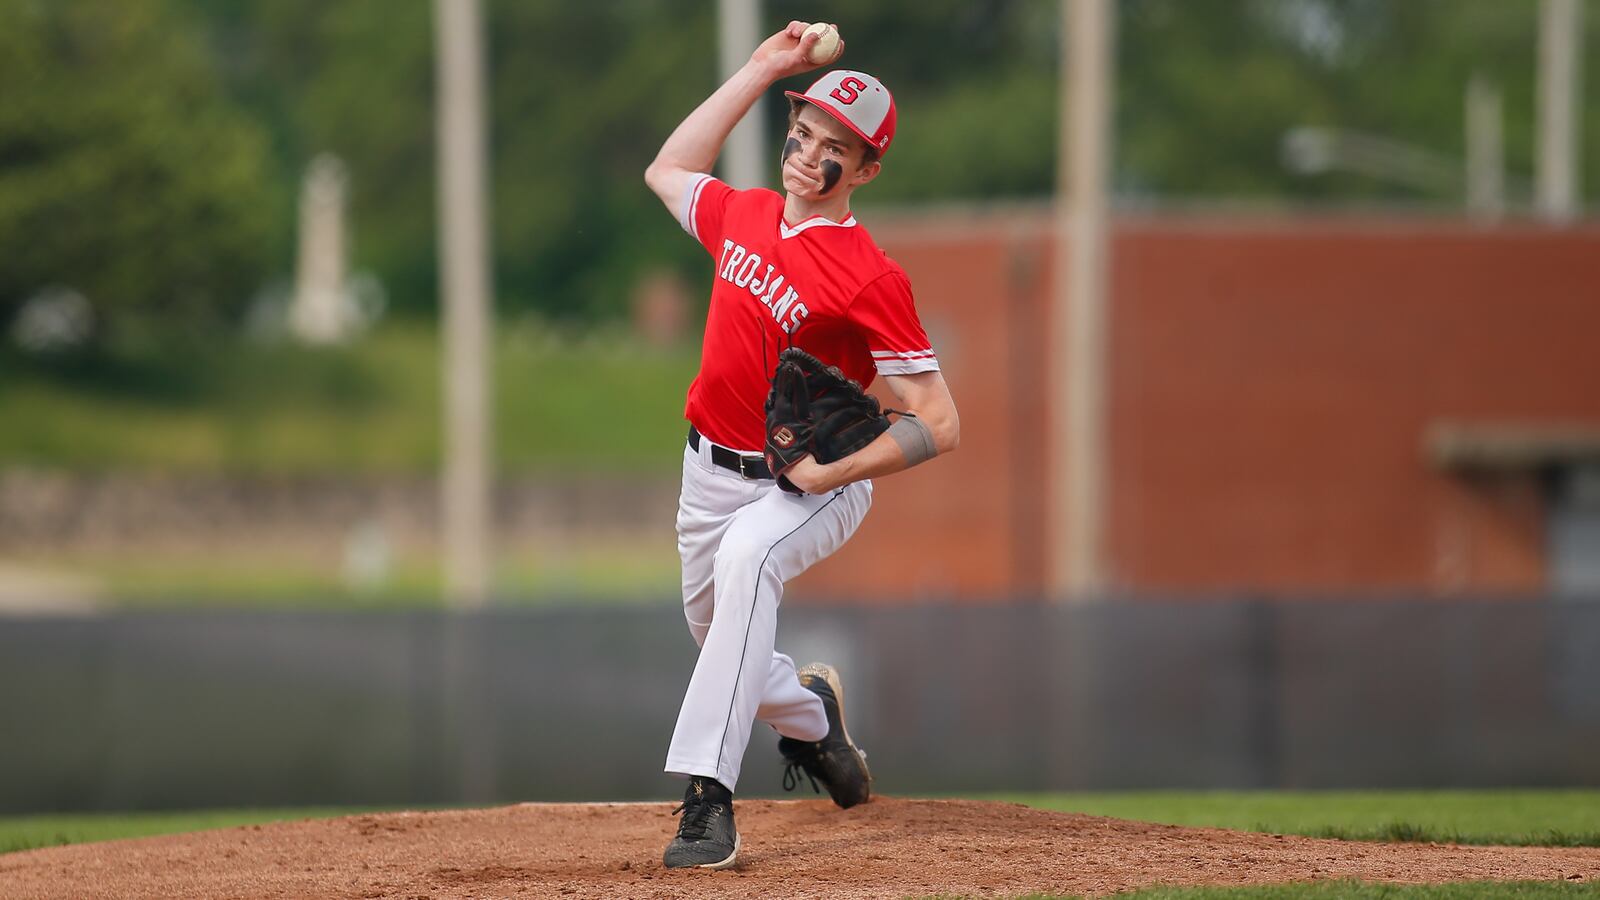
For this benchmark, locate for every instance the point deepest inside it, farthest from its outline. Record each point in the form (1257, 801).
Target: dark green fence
(184, 709)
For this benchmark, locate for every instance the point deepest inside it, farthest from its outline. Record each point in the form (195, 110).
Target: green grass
(1516, 817)
(1352, 890)
(1561, 818)
(1344, 889)
(563, 403)
(580, 568)
(566, 404)
(28, 832)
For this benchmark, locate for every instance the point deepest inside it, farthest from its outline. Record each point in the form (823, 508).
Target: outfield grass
(1511, 817)
(592, 569)
(1562, 818)
(564, 402)
(28, 832)
(1350, 890)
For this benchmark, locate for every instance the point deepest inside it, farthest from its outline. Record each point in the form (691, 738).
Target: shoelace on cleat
(697, 818)
(791, 777)
(817, 757)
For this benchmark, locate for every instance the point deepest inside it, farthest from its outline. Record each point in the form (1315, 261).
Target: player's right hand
(784, 54)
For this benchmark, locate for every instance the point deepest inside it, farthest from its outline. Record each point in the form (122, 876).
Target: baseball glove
(813, 408)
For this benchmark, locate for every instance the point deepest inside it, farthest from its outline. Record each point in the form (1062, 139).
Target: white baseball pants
(740, 541)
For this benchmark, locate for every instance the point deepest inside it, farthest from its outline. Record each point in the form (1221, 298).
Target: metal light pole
(1078, 382)
(744, 155)
(1560, 80)
(1486, 170)
(464, 264)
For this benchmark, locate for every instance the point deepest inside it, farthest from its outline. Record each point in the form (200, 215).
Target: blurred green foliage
(1207, 90)
(579, 96)
(272, 408)
(125, 170)
(595, 569)
(150, 152)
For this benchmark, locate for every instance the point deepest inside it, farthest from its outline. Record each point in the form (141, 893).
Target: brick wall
(1271, 386)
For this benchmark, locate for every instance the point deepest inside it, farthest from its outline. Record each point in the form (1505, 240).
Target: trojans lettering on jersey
(739, 266)
(823, 286)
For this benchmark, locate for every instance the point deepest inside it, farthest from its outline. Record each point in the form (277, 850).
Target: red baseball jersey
(824, 285)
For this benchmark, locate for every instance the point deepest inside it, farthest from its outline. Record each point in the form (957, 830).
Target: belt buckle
(745, 473)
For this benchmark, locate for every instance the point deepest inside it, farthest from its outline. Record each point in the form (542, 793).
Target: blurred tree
(124, 172)
(1208, 89)
(974, 86)
(354, 79)
(583, 94)
(580, 97)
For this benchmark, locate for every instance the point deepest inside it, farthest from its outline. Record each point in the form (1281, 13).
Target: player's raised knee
(741, 553)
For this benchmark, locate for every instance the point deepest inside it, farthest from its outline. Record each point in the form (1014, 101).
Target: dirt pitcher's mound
(807, 848)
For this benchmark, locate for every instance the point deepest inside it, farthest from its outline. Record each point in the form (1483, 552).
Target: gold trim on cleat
(831, 676)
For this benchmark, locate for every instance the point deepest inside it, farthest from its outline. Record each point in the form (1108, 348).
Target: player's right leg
(770, 541)
(707, 836)
(706, 504)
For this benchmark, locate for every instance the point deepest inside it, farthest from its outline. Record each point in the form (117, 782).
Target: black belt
(752, 467)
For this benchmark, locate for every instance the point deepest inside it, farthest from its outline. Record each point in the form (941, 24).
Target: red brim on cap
(830, 110)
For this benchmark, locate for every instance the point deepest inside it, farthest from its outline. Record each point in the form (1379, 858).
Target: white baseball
(826, 49)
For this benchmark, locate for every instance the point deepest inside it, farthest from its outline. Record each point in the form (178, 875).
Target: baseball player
(792, 270)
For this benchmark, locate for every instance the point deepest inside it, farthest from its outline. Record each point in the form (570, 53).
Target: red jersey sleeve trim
(899, 362)
(907, 366)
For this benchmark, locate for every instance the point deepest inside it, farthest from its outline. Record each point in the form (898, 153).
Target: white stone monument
(322, 311)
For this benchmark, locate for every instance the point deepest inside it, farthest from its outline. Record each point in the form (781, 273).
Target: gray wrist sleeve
(915, 440)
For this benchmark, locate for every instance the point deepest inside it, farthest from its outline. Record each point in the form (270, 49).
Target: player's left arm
(933, 430)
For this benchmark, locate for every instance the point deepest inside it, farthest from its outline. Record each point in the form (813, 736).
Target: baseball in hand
(826, 49)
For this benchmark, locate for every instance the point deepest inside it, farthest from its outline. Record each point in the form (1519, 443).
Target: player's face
(822, 158)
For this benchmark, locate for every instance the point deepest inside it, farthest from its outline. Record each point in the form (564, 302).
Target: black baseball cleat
(706, 836)
(835, 761)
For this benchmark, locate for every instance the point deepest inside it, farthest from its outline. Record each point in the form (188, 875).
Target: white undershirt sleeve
(691, 199)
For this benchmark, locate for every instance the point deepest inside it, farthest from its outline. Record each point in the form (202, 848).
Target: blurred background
(1330, 518)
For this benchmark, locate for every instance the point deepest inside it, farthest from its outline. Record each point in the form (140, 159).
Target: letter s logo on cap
(849, 90)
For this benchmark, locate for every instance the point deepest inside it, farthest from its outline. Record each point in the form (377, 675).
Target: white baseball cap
(857, 100)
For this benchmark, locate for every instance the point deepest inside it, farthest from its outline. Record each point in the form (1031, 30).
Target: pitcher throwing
(768, 489)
